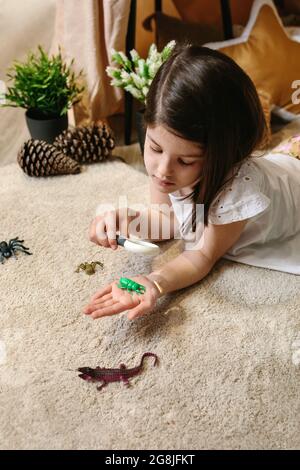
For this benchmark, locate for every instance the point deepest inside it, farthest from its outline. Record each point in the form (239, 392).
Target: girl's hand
(112, 300)
(102, 230)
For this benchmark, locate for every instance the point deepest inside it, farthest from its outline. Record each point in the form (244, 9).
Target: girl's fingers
(108, 311)
(110, 307)
(106, 302)
(102, 299)
(111, 228)
(103, 291)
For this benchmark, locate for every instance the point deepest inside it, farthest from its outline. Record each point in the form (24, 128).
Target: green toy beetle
(131, 286)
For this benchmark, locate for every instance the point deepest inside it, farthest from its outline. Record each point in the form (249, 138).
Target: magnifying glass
(135, 245)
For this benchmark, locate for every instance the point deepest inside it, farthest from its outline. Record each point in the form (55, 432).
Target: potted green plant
(135, 75)
(46, 87)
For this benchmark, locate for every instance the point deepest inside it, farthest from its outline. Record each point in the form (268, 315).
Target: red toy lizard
(101, 374)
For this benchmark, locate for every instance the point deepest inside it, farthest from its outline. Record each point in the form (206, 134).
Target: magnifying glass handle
(120, 240)
(138, 246)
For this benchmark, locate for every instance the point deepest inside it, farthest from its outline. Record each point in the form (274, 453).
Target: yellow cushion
(266, 106)
(267, 54)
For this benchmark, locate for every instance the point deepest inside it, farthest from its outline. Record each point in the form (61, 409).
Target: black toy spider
(10, 248)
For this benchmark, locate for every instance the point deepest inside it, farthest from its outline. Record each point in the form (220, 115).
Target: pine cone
(86, 144)
(38, 158)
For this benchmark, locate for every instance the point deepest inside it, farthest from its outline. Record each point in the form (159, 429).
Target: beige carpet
(229, 347)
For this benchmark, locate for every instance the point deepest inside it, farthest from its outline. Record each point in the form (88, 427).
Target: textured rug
(229, 346)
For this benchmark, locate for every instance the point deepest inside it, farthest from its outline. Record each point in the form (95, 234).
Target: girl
(204, 120)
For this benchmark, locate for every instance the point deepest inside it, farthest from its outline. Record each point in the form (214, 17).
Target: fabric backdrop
(88, 30)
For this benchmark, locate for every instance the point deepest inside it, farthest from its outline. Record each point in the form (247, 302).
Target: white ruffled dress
(266, 191)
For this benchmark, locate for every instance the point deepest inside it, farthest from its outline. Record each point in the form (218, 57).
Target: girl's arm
(186, 269)
(193, 265)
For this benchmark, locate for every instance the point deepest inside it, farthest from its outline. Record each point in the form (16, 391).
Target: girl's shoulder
(247, 170)
(241, 196)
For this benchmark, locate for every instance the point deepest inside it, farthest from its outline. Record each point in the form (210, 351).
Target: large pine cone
(38, 158)
(87, 144)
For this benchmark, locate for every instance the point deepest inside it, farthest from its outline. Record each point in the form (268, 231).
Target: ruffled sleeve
(240, 199)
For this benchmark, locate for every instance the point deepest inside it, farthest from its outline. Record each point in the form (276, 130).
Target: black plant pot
(45, 128)
(140, 128)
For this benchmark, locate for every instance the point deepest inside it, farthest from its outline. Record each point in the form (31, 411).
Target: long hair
(203, 96)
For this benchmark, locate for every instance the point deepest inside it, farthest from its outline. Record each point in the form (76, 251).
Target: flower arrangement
(135, 74)
(44, 84)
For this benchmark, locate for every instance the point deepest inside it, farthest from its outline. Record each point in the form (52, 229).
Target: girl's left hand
(112, 300)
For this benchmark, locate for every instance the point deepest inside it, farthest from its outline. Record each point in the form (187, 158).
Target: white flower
(135, 74)
(153, 68)
(117, 83)
(134, 91)
(145, 90)
(135, 57)
(153, 54)
(142, 68)
(125, 75)
(168, 49)
(113, 72)
(139, 82)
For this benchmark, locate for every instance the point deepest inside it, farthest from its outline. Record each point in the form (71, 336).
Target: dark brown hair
(203, 96)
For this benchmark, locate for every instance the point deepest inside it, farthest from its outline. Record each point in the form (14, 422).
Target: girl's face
(172, 159)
